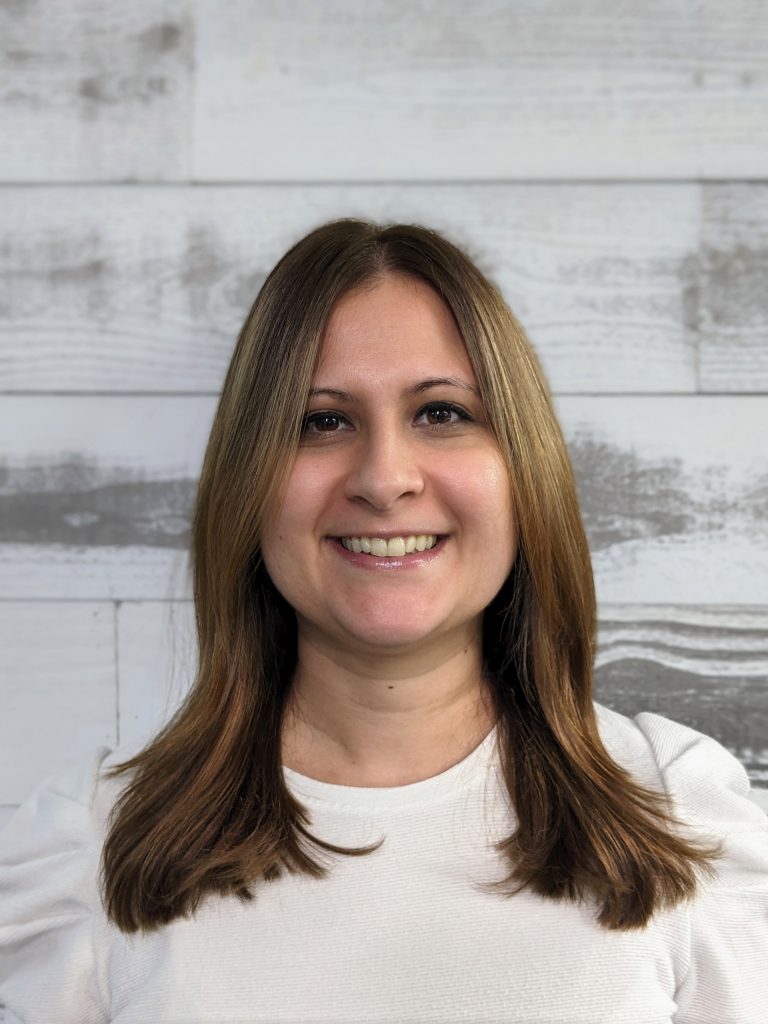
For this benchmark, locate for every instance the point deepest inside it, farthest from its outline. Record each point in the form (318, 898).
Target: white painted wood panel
(98, 492)
(157, 646)
(125, 289)
(57, 687)
(82, 571)
(165, 90)
(733, 287)
(96, 91)
(427, 91)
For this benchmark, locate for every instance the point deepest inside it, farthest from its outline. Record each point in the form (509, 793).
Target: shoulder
(707, 786)
(71, 804)
(50, 851)
(52, 841)
(684, 759)
(727, 921)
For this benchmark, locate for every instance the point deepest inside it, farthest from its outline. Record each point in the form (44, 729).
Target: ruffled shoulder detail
(726, 980)
(710, 791)
(49, 858)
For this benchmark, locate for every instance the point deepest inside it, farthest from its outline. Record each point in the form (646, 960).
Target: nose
(383, 468)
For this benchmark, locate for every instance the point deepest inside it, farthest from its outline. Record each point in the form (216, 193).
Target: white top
(400, 935)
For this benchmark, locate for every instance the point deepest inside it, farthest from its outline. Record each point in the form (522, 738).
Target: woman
(396, 622)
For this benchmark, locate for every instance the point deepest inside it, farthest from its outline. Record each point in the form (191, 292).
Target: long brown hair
(207, 810)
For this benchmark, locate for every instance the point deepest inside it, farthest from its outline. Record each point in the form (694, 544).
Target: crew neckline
(452, 779)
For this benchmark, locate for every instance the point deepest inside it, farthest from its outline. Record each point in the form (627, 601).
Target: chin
(387, 635)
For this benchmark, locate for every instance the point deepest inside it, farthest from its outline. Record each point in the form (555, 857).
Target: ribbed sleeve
(48, 898)
(727, 976)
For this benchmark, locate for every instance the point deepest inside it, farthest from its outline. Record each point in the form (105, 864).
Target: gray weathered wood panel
(674, 495)
(423, 91)
(90, 506)
(124, 289)
(96, 92)
(733, 287)
(165, 91)
(704, 666)
(672, 489)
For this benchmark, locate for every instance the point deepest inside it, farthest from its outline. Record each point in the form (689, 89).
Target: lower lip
(414, 560)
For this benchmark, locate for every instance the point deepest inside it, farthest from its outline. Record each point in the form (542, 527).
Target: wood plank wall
(605, 162)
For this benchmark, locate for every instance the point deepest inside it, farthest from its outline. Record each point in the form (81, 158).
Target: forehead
(398, 319)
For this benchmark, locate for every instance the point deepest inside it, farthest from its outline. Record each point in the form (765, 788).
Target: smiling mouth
(396, 548)
(399, 545)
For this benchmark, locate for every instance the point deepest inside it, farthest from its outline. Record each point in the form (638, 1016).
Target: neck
(359, 722)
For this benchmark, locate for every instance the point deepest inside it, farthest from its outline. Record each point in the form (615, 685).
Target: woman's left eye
(317, 424)
(444, 407)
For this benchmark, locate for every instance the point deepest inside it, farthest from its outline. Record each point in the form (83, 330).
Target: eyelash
(437, 427)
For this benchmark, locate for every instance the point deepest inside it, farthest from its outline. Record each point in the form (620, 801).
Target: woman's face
(391, 458)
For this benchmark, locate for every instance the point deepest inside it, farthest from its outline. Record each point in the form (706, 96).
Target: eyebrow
(415, 389)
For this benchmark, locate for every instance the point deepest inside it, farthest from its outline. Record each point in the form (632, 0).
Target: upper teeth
(393, 546)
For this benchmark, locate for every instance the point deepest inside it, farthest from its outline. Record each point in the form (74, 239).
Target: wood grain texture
(673, 492)
(95, 92)
(120, 306)
(125, 289)
(733, 288)
(704, 666)
(674, 495)
(418, 91)
(97, 494)
(57, 688)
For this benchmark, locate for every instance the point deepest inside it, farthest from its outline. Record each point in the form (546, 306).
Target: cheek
(310, 486)
(481, 488)
(298, 504)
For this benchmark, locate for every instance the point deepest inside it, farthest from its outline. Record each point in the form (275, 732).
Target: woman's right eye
(321, 421)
